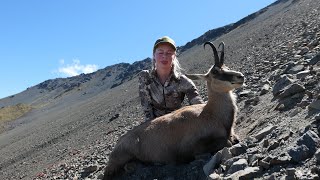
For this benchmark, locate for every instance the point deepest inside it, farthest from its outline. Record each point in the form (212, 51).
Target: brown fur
(186, 132)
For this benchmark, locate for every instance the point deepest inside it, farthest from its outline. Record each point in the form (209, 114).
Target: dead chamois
(189, 131)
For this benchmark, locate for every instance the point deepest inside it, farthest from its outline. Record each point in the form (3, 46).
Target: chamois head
(219, 77)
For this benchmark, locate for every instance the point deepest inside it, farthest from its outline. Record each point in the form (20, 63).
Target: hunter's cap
(165, 39)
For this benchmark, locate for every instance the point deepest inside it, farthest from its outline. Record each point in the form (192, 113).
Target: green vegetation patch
(10, 113)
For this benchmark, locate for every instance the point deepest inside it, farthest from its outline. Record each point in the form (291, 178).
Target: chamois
(188, 131)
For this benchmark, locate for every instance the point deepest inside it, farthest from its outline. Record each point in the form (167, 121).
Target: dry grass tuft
(11, 113)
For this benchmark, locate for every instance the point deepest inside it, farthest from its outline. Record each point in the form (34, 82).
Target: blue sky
(41, 40)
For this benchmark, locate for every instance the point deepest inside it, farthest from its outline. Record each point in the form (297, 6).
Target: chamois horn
(215, 53)
(222, 53)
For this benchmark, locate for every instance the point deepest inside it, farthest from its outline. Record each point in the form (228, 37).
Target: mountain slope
(278, 121)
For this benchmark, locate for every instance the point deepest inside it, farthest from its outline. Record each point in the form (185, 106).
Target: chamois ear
(197, 76)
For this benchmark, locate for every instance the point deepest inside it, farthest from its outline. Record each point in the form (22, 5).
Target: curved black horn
(222, 52)
(215, 53)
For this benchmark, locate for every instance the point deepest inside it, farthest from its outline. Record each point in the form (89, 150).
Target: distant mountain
(65, 128)
(82, 85)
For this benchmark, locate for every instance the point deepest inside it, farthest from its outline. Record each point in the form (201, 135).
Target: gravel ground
(278, 119)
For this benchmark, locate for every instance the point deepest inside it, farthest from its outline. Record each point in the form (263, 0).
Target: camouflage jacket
(158, 99)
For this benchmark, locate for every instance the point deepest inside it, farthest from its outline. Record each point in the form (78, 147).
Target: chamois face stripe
(227, 75)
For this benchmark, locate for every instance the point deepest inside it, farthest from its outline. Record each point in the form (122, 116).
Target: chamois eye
(214, 71)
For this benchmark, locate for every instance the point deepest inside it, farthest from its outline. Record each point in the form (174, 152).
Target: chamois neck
(217, 100)
(213, 96)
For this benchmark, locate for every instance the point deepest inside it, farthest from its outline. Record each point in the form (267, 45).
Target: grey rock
(273, 145)
(228, 163)
(225, 154)
(291, 90)
(285, 136)
(303, 74)
(254, 158)
(238, 149)
(280, 160)
(265, 143)
(295, 112)
(214, 161)
(290, 174)
(315, 104)
(263, 164)
(317, 155)
(253, 101)
(304, 50)
(265, 89)
(241, 164)
(289, 65)
(247, 173)
(309, 139)
(260, 135)
(253, 150)
(315, 59)
(295, 69)
(245, 93)
(299, 153)
(283, 82)
(214, 176)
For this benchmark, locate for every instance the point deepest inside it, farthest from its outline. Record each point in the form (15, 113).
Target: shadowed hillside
(75, 122)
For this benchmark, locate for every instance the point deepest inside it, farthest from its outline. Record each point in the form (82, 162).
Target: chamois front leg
(125, 151)
(114, 166)
(234, 139)
(210, 144)
(117, 160)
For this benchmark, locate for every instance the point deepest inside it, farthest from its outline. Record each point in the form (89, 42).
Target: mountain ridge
(278, 118)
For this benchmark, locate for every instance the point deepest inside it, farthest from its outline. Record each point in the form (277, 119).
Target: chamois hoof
(234, 139)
